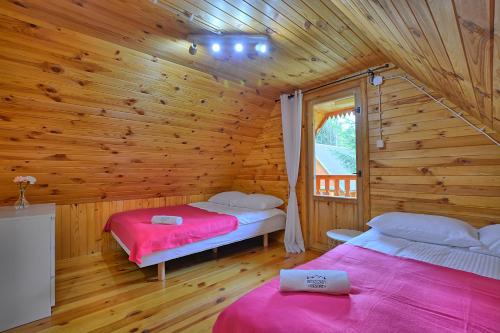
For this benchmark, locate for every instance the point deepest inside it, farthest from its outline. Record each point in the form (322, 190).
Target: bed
(397, 286)
(207, 226)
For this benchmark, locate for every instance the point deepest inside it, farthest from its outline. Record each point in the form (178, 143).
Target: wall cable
(459, 115)
(379, 112)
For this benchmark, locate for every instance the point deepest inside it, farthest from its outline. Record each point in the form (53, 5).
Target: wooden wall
(432, 163)
(95, 121)
(264, 171)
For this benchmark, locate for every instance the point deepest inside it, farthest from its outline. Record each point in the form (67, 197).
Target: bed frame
(244, 231)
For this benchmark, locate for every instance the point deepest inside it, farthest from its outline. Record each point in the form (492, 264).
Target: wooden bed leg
(161, 271)
(215, 250)
(265, 240)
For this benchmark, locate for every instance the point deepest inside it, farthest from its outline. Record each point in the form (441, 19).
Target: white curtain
(291, 115)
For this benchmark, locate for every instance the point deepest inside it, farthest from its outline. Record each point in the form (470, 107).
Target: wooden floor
(109, 294)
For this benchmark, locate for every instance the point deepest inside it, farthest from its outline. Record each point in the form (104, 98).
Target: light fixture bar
(227, 38)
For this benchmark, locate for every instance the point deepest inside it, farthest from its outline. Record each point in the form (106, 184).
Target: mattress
(244, 215)
(447, 256)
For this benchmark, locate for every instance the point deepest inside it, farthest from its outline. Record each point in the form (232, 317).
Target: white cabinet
(27, 264)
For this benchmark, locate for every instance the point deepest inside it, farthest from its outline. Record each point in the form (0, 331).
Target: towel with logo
(320, 281)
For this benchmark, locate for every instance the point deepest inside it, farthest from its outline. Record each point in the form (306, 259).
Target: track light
(238, 47)
(230, 44)
(261, 48)
(192, 49)
(215, 47)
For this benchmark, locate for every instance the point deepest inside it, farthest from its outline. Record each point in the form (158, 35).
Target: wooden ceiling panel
(476, 31)
(449, 45)
(311, 42)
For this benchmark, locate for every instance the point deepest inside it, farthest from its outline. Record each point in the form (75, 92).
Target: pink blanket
(389, 294)
(135, 230)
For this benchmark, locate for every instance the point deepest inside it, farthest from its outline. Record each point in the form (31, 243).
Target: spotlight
(261, 48)
(238, 47)
(215, 47)
(192, 49)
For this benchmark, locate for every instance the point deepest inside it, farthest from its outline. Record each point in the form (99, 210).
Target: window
(335, 147)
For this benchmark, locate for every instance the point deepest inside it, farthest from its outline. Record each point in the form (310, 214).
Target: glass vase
(21, 203)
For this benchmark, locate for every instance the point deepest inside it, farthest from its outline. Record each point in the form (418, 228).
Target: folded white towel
(321, 281)
(165, 219)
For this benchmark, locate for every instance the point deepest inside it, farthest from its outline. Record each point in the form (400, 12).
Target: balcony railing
(335, 185)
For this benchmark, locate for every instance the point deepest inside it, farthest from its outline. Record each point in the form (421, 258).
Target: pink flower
(18, 179)
(25, 179)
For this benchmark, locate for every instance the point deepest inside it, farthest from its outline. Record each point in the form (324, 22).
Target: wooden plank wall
(79, 226)
(264, 170)
(432, 163)
(95, 121)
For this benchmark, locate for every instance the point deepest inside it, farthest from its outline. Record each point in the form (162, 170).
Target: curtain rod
(369, 71)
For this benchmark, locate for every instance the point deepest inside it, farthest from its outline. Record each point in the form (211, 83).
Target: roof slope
(311, 41)
(96, 121)
(452, 46)
(327, 155)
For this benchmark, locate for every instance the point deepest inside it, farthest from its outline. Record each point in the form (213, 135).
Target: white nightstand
(27, 261)
(342, 235)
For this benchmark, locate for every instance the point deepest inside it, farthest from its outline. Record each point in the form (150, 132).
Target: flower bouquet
(23, 182)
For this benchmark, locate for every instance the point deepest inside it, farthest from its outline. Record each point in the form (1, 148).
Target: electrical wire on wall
(377, 81)
(380, 143)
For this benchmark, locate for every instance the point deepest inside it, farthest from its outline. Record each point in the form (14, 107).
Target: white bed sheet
(448, 256)
(244, 215)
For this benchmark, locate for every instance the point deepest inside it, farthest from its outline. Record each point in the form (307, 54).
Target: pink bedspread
(135, 230)
(389, 294)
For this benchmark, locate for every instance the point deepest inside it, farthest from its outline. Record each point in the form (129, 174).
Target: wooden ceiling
(453, 46)
(312, 41)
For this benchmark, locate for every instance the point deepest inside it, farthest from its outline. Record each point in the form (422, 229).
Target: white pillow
(258, 201)
(426, 228)
(227, 198)
(489, 237)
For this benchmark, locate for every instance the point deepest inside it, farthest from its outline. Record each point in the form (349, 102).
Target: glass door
(334, 133)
